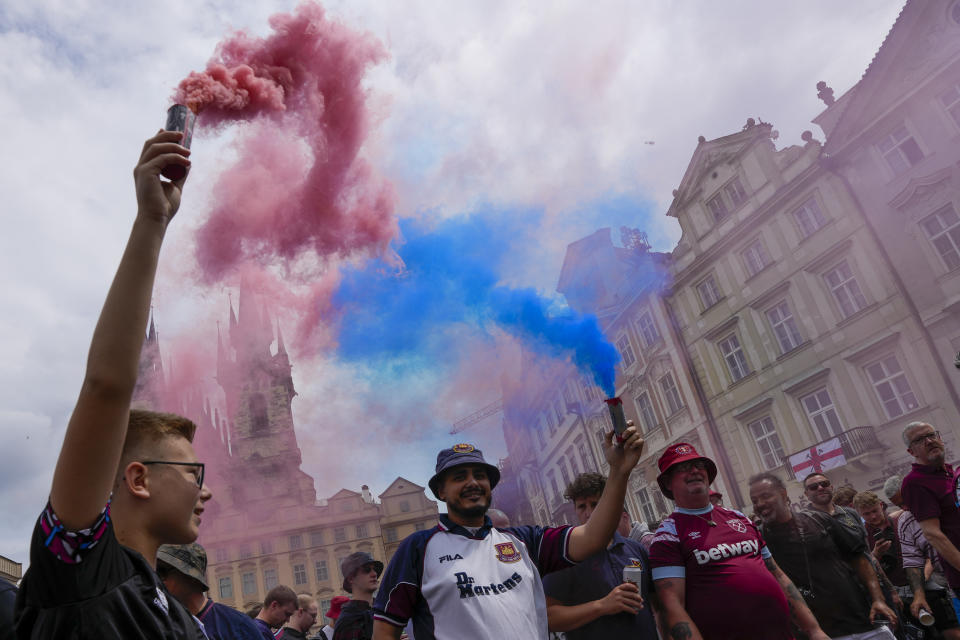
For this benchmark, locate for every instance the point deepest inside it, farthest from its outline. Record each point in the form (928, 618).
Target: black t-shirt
(813, 550)
(111, 592)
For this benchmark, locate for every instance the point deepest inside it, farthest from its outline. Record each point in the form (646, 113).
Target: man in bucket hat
(467, 579)
(183, 569)
(714, 575)
(361, 574)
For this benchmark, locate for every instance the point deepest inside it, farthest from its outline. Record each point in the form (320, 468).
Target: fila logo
(725, 550)
(450, 558)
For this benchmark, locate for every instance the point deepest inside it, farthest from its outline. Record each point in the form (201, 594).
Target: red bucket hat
(674, 455)
(336, 605)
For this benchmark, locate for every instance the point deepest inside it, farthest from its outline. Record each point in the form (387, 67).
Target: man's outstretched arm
(596, 533)
(93, 443)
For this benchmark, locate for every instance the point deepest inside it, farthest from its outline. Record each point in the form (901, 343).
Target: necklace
(707, 520)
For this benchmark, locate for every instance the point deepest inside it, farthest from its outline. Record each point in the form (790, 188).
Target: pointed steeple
(152, 333)
(281, 350)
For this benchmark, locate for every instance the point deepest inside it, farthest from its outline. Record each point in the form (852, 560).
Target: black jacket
(355, 622)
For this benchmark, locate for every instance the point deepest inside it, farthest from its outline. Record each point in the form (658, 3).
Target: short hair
(768, 477)
(910, 427)
(255, 610)
(145, 428)
(892, 486)
(281, 594)
(304, 600)
(810, 475)
(866, 500)
(585, 485)
(844, 495)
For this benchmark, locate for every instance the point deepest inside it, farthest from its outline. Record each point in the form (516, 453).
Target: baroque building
(265, 525)
(809, 310)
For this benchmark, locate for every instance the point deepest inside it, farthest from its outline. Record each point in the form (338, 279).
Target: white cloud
(513, 104)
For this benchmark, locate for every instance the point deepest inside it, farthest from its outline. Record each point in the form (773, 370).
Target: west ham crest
(507, 552)
(683, 450)
(737, 525)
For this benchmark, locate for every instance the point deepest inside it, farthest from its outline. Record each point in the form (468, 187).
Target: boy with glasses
(929, 492)
(126, 481)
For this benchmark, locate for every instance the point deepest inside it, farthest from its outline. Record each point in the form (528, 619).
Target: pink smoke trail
(299, 192)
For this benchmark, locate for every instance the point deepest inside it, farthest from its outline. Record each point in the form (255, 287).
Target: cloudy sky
(577, 119)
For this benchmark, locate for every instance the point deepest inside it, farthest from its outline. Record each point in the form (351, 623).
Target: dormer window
(735, 192)
(900, 150)
(717, 207)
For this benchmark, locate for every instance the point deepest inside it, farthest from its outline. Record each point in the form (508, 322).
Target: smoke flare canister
(616, 414)
(634, 575)
(179, 118)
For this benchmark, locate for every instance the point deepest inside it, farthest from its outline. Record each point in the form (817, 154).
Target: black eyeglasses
(690, 465)
(198, 465)
(813, 486)
(927, 437)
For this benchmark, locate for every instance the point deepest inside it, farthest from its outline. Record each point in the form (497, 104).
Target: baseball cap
(674, 455)
(335, 606)
(188, 559)
(353, 563)
(457, 455)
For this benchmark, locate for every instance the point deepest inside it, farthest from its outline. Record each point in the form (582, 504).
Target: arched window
(259, 423)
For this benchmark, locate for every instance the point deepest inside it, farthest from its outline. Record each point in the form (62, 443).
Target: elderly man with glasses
(930, 494)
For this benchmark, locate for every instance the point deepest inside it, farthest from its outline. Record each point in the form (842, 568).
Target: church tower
(258, 389)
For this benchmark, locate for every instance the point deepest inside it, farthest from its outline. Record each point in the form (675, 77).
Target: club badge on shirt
(507, 552)
(737, 525)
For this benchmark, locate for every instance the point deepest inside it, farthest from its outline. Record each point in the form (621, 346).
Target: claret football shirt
(730, 593)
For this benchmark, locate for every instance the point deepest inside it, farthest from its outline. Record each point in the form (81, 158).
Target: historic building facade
(810, 308)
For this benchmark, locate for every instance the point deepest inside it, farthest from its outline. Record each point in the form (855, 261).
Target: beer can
(634, 575)
(179, 118)
(925, 617)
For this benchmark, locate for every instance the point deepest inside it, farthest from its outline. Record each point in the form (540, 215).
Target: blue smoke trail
(409, 319)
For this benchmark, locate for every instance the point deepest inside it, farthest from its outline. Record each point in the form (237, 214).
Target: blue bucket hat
(457, 455)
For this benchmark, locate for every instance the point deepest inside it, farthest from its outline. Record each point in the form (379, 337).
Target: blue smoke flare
(450, 281)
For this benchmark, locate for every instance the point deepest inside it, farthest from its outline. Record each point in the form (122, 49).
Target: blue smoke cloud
(451, 281)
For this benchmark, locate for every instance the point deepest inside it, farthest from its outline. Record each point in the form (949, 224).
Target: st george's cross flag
(818, 458)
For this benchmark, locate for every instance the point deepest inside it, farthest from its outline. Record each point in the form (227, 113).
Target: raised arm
(676, 622)
(799, 611)
(589, 538)
(93, 442)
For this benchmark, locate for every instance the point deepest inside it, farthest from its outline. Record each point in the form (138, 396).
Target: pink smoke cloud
(299, 194)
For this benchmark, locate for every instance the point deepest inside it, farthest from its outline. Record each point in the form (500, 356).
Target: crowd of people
(113, 553)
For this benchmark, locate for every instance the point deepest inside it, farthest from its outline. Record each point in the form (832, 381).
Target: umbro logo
(693, 534)
(450, 558)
